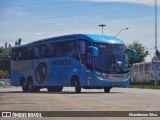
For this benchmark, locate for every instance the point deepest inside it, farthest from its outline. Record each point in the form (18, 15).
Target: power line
(76, 15)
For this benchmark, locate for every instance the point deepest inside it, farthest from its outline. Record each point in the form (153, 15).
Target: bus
(88, 61)
(146, 72)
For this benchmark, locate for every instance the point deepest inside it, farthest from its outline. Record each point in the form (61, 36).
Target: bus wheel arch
(75, 82)
(24, 85)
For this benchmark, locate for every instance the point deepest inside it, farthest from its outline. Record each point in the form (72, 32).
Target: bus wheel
(107, 89)
(30, 86)
(24, 86)
(77, 86)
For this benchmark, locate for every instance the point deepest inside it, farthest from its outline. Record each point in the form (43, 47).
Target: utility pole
(102, 25)
(156, 33)
(155, 24)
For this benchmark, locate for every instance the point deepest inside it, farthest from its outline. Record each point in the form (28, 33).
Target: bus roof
(90, 37)
(104, 39)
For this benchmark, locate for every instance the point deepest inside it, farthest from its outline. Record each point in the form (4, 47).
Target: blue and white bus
(86, 61)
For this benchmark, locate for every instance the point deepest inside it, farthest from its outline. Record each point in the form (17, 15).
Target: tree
(5, 56)
(141, 52)
(18, 42)
(5, 45)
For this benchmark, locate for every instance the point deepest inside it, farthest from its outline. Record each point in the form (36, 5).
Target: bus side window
(36, 52)
(158, 67)
(135, 68)
(44, 51)
(89, 59)
(75, 50)
(64, 46)
(71, 49)
(40, 51)
(13, 54)
(153, 66)
(49, 51)
(18, 54)
(30, 53)
(57, 50)
(23, 53)
(85, 54)
(146, 67)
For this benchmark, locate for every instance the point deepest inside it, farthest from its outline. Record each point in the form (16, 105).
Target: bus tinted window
(68, 48)
(30, 53)
(72, 50)
(37, 52)
(13, 54)
(19, 54)
(147, 67)
(136, 68)
(140, 68)
(48, 50)
(85, 54)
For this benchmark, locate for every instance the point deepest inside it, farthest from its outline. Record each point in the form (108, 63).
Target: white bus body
(147, 72)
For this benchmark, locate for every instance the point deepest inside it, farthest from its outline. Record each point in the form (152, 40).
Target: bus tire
(107, 89)
(24, 85)
(77, 85)
(30, 85)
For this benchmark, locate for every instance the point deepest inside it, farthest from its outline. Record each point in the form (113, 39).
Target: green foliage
(141, 52)
(18, 42)
(5, 56)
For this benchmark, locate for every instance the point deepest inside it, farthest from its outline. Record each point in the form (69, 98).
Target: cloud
(144, 2)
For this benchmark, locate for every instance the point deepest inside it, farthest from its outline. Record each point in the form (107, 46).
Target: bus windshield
(112, 58)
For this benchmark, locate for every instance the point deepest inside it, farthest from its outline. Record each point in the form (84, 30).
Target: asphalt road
(119, 99)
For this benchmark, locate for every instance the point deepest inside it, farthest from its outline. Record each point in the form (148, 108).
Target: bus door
(89, 66)
(86, 60)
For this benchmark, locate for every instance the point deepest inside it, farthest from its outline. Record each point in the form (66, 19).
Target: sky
(32, 20)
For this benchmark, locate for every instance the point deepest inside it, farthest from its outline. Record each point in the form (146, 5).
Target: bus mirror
(94, 50)
(134, 53)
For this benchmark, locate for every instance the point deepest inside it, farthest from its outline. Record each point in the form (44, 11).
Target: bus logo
(41, 72)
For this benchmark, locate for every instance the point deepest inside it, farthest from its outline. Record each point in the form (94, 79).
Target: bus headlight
(99, 77)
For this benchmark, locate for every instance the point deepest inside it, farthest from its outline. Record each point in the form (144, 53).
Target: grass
(144, 86)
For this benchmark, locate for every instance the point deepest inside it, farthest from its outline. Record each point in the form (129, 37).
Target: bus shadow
(63, 92)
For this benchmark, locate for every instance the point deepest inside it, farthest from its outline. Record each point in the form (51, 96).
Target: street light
(102, 25)
(121, 31)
